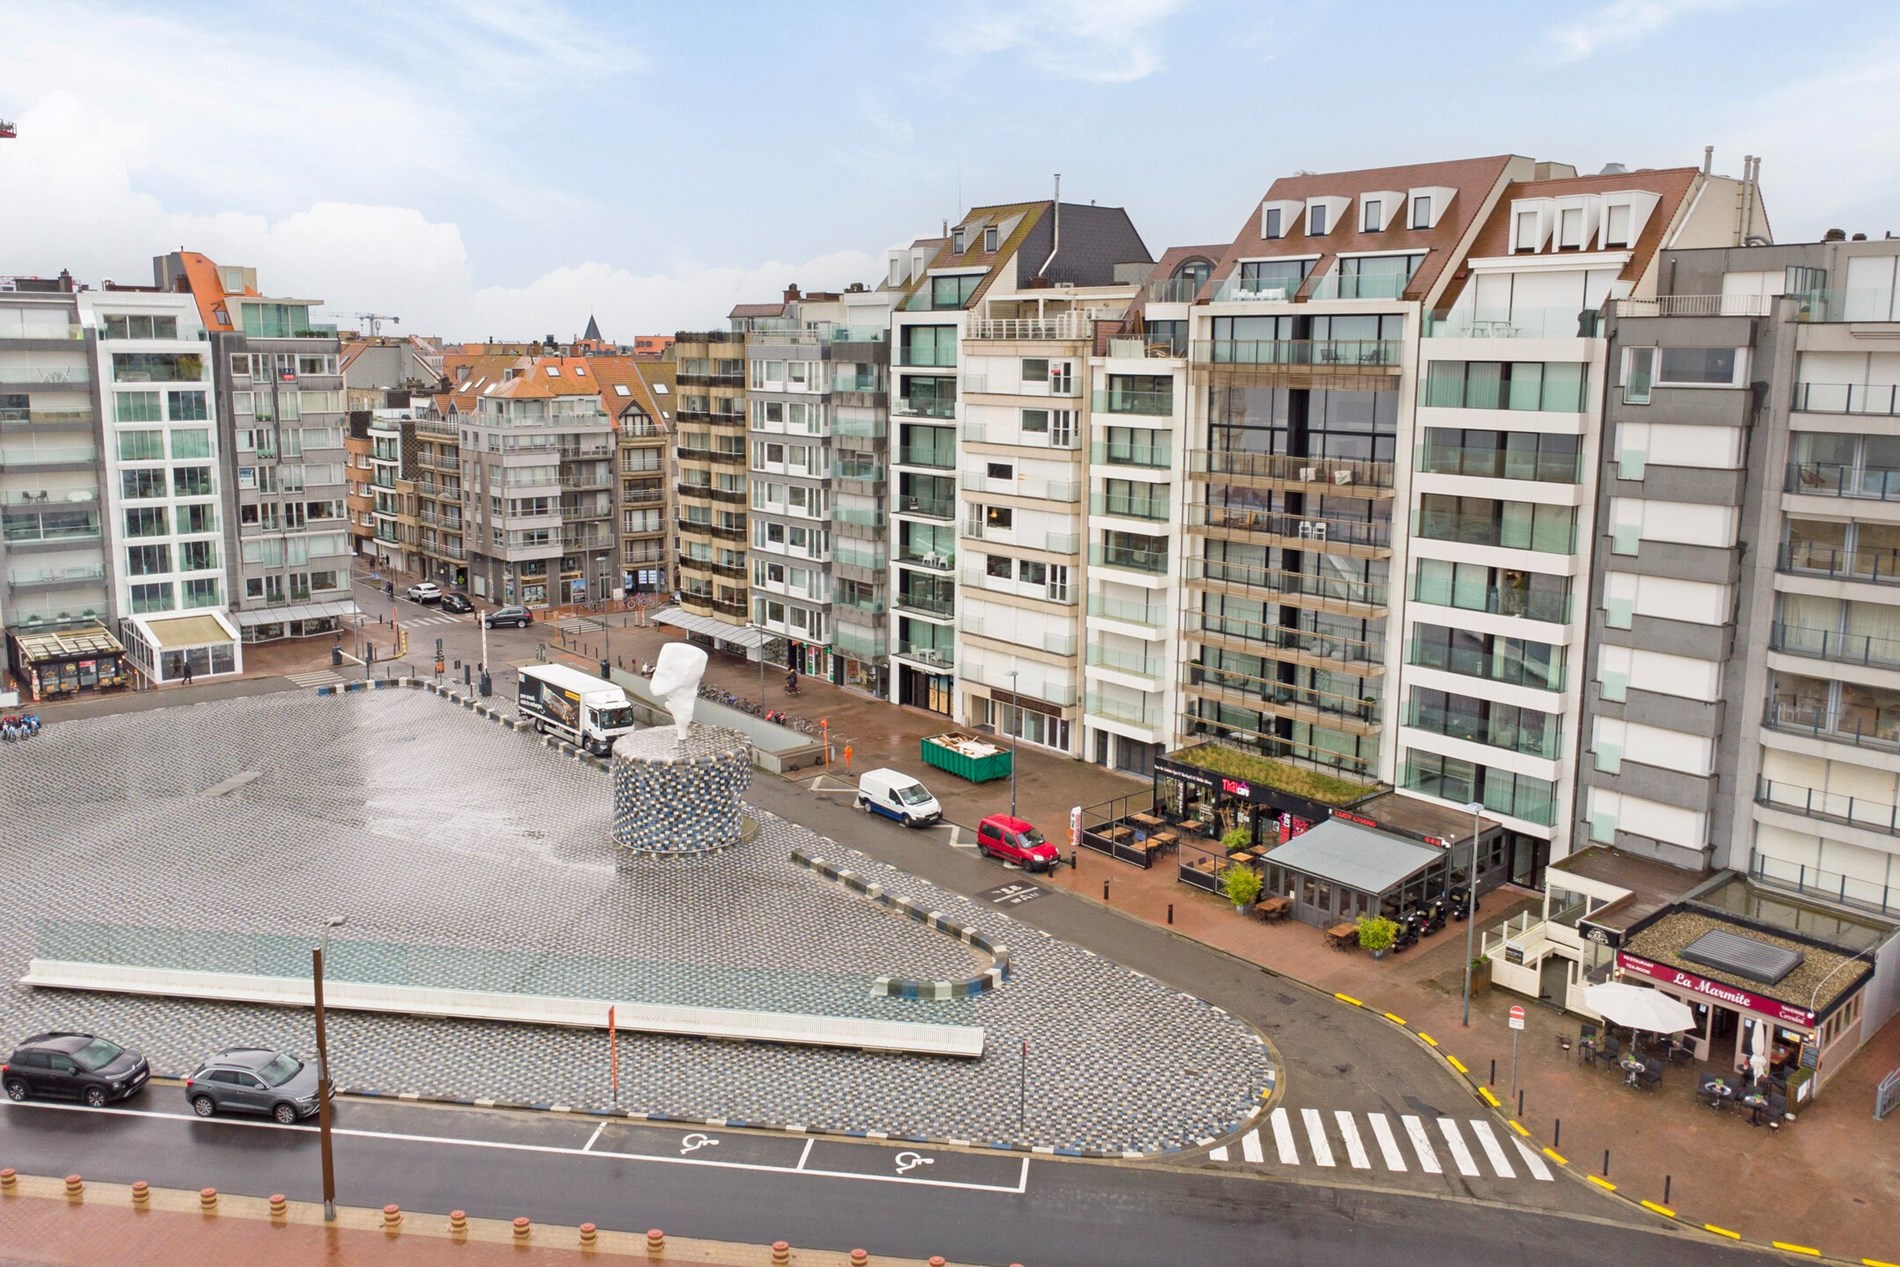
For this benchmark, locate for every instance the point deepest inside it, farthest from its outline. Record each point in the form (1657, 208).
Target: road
(817, 1193)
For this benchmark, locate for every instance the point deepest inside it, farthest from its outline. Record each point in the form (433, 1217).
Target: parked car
(425, 592)
(895, 794)
(457, 603)
(519, 617)
(254, 1080)
(72, 1066)
(1013, 840)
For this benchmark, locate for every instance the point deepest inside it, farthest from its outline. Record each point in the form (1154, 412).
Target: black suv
(73, 1067)
(254, 1080)
(457, 603)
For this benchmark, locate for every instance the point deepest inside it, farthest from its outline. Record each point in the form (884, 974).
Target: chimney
(1834, 235)
(65, 282)
(1708, 159)
(791, 293)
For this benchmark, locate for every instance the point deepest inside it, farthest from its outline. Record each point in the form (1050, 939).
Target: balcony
(928, 357)
(729, 531)
(1061, 644)
(1854, 303)
(871, 644)
(1523, 731)
(49, 457)
(1365, 658)
(1147, 562)
(52, 419)
(1382, 355)
(49, 527)
(1151, 615)
(731, 607)
(1148, 403)
(1336, 285)
(1063, 326)
(1148, 716)
(27, 580)
(648, 496)
(861, 472)
(858, 516)
(1067, 491)
(1826, 644)
(1331, 476)
(941, 559)
(1152, 667)
(1882, 400)
(1353, 714)
(449, 462)
(717, 378)
(1122, 506)
(925, 406)
(1298, 531)
(1499, 601)
(939, 457)
(846, 553)
(942, 508)
(1697, 306)
(1028, 683)
(1873, 725)
(940, 657)
(1351, 597)
(582, 482)
(1157, 454)
(1553, 536)
(1497, 463)
(937, 599)
(1850, 811)
(1173, 290)
(47, 376)
(1513, 323)
(1833, 479)
(1813, 558)
(860, 428)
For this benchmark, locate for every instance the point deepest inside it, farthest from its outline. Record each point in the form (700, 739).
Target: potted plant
(1377, 933)
(1242, 886)
(1480, 975)
(1238, 838)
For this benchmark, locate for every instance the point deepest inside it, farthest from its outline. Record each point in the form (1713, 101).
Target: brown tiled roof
(974, 256)
(1175, 256)
(758, 310)
(637, 376)
(1473, 178)
(536, 382)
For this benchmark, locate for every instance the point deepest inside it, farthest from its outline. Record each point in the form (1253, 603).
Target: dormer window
(956, 240)
(1616, 226)
(1421, 212)
(1526, 237)
(1372, 215)
(1271, 225)
(1570, 229)
(989, 240)
(1316, 220)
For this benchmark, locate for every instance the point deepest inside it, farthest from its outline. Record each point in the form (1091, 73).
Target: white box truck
(587, 711)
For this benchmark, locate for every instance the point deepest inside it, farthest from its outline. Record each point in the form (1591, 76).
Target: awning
(738, 635)
(180, 633)
(67, 644)
(295, 612)
(1356, 857)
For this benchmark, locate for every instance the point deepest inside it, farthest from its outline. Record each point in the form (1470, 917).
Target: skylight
(580, 371)
(620, 389)
(554, 371)
(659, 389)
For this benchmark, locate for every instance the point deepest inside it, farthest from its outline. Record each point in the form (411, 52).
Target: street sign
(1517, 1017)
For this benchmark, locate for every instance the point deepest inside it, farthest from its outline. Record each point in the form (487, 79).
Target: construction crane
(373, 321)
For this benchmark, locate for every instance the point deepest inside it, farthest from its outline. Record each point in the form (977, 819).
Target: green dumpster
(966, 757)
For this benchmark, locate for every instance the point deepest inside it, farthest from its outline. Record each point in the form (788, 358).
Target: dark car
(519, 617)
(71, 1066)
(254, 1080)
(457, 603)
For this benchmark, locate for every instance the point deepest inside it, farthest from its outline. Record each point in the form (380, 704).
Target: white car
(426, 592)
(895, 794)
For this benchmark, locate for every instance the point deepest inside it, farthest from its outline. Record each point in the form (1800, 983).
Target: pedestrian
(187, 671)
(847, 758)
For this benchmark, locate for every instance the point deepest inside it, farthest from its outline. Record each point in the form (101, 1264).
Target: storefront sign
(1186, 773)
(1234, 787)
(1354, 818)
(1730, 994)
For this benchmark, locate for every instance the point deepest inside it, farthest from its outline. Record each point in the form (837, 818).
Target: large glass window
(1507, 726)
(191, 481)
(136, 406)
(153, 560)
(1698, 367)
(191, 442)
(1495, 658)
(1490, 522)
(186, 406)
(1257, 276)
(143, 484)
(1503, 591)
(141, 446)
(140, 326)
(929, 345)
(158, 367)
(953, 292)
(1553, 386)
(152, 596)
(1511, 455)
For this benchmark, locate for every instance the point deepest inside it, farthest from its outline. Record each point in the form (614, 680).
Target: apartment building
(164, 481)
(711, 452)
(640, 397)
(1010, 286)
(860, 356)
(1743, 694)
(359, 498)
(282, 424)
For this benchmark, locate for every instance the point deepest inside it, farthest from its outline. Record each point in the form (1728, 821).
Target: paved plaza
(216, 836)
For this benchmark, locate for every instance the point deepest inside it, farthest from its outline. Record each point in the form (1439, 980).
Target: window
(1639, 374)
(141, 446)
(1372, 215)
(1036, 421)
(1698, 367)
(137, 407)
(956, 240)
(1000, 566)
(1526, 236)
(198, 556)
(1570, 229)
(953, 292)
(930, 345)
(157, 367)
(1422, 212)
(146, 522)
(191, 481)
(1257, 276)
(998, 517)
(152, 597)
(989, 240)
(198, 517)
(1036, 370)
(1316, 220)
(1616, 226)
(203, 591)
(144, 484)
(1551, 386)
(1000, 471)
(185, 406)
(141, 327)
(148, 560)
(191, 442)
(1270, 224)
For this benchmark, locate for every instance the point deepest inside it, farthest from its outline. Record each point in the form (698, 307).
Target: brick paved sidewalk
(39, 1224)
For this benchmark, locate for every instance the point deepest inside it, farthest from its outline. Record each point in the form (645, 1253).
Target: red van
(1013, 840)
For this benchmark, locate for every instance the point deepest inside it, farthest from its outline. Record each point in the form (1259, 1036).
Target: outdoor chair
(1777, 1106)
(1652, 1074)
(1610, 1049)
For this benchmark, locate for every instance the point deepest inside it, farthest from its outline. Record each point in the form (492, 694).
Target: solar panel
(1743, 956)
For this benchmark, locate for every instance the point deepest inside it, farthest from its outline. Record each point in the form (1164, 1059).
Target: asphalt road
(825, 1194)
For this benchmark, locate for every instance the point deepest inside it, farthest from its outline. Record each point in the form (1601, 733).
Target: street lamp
(1471, 911)
(324, 1089)
(760, 629)
(1017, 719)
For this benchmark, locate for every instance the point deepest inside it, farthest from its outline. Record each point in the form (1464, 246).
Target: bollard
(781, 1254)
(1493, 1079)
(1606, 1163)
(1170, 912)
(936, 1260)
(458, 1223)
(590, 1236)
(9, 1181)
(523, 1230)
(207, 1200)
(1666, 1179)
(75, 1188)
(279, 1207)
(141, 1195)
(1557, 1136)
(1520, 1102)
(1105, 890)
(656, 1241)
(859, 1258)
(392, 1219)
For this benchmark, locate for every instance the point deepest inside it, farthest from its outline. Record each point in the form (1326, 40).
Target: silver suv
(254, 1080)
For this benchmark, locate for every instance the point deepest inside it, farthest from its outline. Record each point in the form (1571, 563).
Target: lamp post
(1471, 911)
(323, 1072)
(761, 632)
(1016, 719)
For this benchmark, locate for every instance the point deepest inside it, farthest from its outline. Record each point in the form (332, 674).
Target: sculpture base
(674, 797)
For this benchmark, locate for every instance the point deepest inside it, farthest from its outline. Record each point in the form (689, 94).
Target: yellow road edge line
(1788, 1248)
(1456, 1063)
(1519, 1127)
(1556, 1156)
(1721, 1231)
(1490, 1099)
(1603, 1183)
(1347, 998)
(1396, 1020)
(1875, 1262)
(1660, 1209)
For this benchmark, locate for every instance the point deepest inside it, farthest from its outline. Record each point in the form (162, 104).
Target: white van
(897, 795)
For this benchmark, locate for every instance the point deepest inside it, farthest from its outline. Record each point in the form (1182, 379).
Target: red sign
(1354, 818)
(1733, 995)
(1517, 1013)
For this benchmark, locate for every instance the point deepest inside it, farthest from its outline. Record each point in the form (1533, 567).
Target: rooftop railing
(1513, 323)
(1880, 399)
(1298, 353)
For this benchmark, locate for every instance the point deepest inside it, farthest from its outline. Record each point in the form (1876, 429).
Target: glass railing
(928, 507)
(1848, 398)
(35, 375)
(1257, 691)
(50, 527)
(938, 600)
(863, 472)
(1526, 603)
(1141, 665)
(1154, 616)
(1833, 479)
(1298, 352)
(1516, 795)
(942, 655)
(1360, 286)
(936, 558)
(1257, 289)
(48, 455)
(14, 325)
(1126, 507)
(1156, 455)
(1149, 715)
(1826, 644)
(13, 416)
(1853, 303)
(1286, 638)
(860, 644)
(847, 554)
(1062, 644)
(1872, 724)
(1174, 290)
(1337, 472)
(1512, 671)
(927, 356)
(1514, 323)
(1153, 562)
(864, 428)
(1879, 567)
(1318, 532)
(925, 406)
(1810, 802)
(1302, 584)
(1550, 537)
(1523, 731)
(1152, 403)
(1531, 394)
(1500, 464)
(56, 576)
(940, 456)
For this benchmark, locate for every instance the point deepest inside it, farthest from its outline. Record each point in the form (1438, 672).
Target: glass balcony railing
(1498, 600)
(939, 599)
(1316, 532)
(1174, 290)
(1150, 666)
(1338, 473)
(1881, 399)
(1157, 454)
(1842, 648)
(1147, 713)
(1499, 463)
(1298, 353)
(1523, 731)
(925, 406)
(942, 655)
(1326, 646)
(1875, 724)
(1853, 303)
(1835, 479)
(1552, 536)
(1360, 286)
(1513, 323)
(1251, 690)
(1124, 506)
(1814, 558)
(1152, 562)
(1333, 588)
(1154, 616)
(926, 355)
(942, 457)
(843, 424)
(849, 554)
(858, 516)
(862, 472)
(926, 506)
(1534, 394)
(1151, 403)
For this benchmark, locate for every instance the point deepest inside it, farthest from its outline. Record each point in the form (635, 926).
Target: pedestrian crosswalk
(1309, 1136)
(415, 622)
(316, 677)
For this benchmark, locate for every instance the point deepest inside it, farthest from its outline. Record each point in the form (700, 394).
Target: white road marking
(1467, 1164)
(1355, 1148)
(804, 1156)
(1388, 1144)
(1493, 1150)
(1283, 1138)
(1250, 1146)
(1531, 1159)
(1316, 1136)
(595, 1136)
(1422, 1145)
(1218, 1154)
(1021, 1185)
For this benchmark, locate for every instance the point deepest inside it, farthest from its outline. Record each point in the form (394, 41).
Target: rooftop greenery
(1235, 764)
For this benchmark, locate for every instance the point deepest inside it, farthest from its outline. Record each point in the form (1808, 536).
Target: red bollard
(392, 1219)
(859, 1258)
(590, 1236)
(75, 1188)
(458, 1223)
(279, 1207)
(656, 1241)
(781, 1254)
(141, 1195)
(523, 1230)
(207, 1200)
(9, 1181)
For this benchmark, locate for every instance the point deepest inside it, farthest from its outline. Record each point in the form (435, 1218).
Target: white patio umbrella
(1758, 1060)
(1639, 1007)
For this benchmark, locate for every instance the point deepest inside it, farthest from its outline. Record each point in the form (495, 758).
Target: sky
(505, 168)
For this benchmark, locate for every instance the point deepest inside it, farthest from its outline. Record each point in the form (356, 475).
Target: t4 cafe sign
(1720, 991)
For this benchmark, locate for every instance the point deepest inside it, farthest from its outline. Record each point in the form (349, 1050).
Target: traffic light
(438, 648)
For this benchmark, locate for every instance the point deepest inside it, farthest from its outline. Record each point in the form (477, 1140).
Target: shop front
(295, 620)
(65, 662)
(164, 646)
(1340, 871)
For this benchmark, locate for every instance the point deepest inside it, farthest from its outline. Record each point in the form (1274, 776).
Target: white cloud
(1621, 22)
(1096, 41)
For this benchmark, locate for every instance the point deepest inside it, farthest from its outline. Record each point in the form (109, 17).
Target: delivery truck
(588, 712)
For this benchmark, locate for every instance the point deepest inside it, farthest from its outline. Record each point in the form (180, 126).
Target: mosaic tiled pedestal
(674, 796)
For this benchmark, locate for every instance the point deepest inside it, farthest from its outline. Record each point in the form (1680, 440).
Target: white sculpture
(676, 680)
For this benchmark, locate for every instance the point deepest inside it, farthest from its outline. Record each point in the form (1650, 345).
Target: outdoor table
(1164, 840)
(1194, 825)
(1274, 909)
(1342, 936)
(1146, 820)
(1587, 1051)
(1722, 1092)
(1119, 832)
(1633, 1067)
(1756, 1103)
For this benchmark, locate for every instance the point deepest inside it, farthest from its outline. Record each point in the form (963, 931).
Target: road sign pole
(1517, 1028)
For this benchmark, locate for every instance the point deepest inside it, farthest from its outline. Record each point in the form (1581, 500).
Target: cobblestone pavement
(465, 854)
